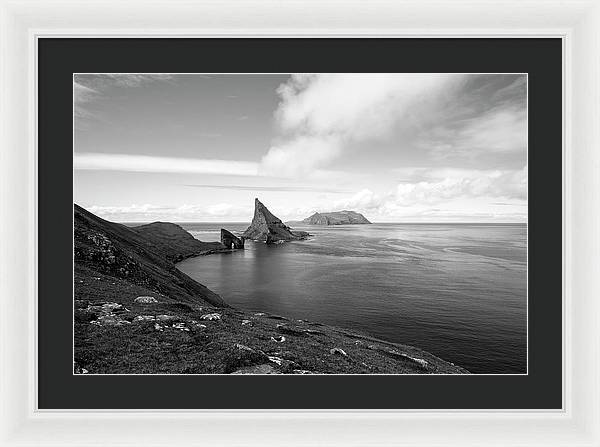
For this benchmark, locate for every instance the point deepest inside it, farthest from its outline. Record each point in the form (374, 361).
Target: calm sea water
(458, 291)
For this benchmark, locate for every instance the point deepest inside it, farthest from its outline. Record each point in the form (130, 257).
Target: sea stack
(266, 227)
(230, 240)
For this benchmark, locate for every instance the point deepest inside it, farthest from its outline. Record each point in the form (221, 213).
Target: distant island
(343, 217)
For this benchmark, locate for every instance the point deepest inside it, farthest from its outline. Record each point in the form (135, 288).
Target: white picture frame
(576, 22)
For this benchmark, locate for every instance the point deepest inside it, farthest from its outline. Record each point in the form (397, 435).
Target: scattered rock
(110, 320)
(394, 353)
(278, 339)
(144, 318)
(112, 307)
(165, 317)
(244, 347)
(106, 308)
(338, 351)
(211, 317)
(274, 359)
(285, 364)
(145, 300)
(313, 332)
(110, 314)
(158, 327)
(421, 362)
(78, 369)
(181, 327)
(286, 329)
(257, 369)
(246, 322)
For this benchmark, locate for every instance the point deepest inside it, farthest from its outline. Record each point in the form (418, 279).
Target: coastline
(199, 333)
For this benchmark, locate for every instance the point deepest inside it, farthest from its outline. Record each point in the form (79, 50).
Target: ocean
(458, 291)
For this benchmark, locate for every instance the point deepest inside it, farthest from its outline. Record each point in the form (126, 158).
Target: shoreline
(356, 334)
(116, 332)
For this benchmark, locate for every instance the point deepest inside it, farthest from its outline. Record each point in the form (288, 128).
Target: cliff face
(336, 218)
(140, 256)
(268, 228)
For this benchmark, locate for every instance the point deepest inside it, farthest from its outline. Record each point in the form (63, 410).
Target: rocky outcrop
(266, 227)
(336, 218)
(230, 240)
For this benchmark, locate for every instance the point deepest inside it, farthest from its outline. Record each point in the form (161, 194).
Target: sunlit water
(456, 290)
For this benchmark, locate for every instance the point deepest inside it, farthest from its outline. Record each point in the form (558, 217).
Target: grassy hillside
(136, 256)
(173, 242)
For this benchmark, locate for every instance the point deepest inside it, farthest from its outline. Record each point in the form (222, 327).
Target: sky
(397, 147)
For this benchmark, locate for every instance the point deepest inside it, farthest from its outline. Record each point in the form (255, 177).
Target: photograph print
(300, 223)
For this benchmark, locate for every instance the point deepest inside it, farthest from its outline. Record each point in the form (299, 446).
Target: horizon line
(298, 221)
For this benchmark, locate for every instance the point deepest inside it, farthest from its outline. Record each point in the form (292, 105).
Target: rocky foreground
(136, 313)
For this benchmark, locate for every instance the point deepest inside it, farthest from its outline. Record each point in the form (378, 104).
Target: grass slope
(124, 253)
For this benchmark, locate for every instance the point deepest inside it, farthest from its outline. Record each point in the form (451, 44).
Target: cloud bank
(319, 115)
(470, 131)
(146, 163)
(183, 213)
(446, 188)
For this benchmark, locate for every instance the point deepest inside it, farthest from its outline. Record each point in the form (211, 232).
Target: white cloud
(473, 190)
(356, 106)
(364, 199)
(321, 114)
(446, 194)
(182, 213)
(97, 161)
(300, 155)
(499, 130)
(435, 185)
(229, 210)
(146, 163)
